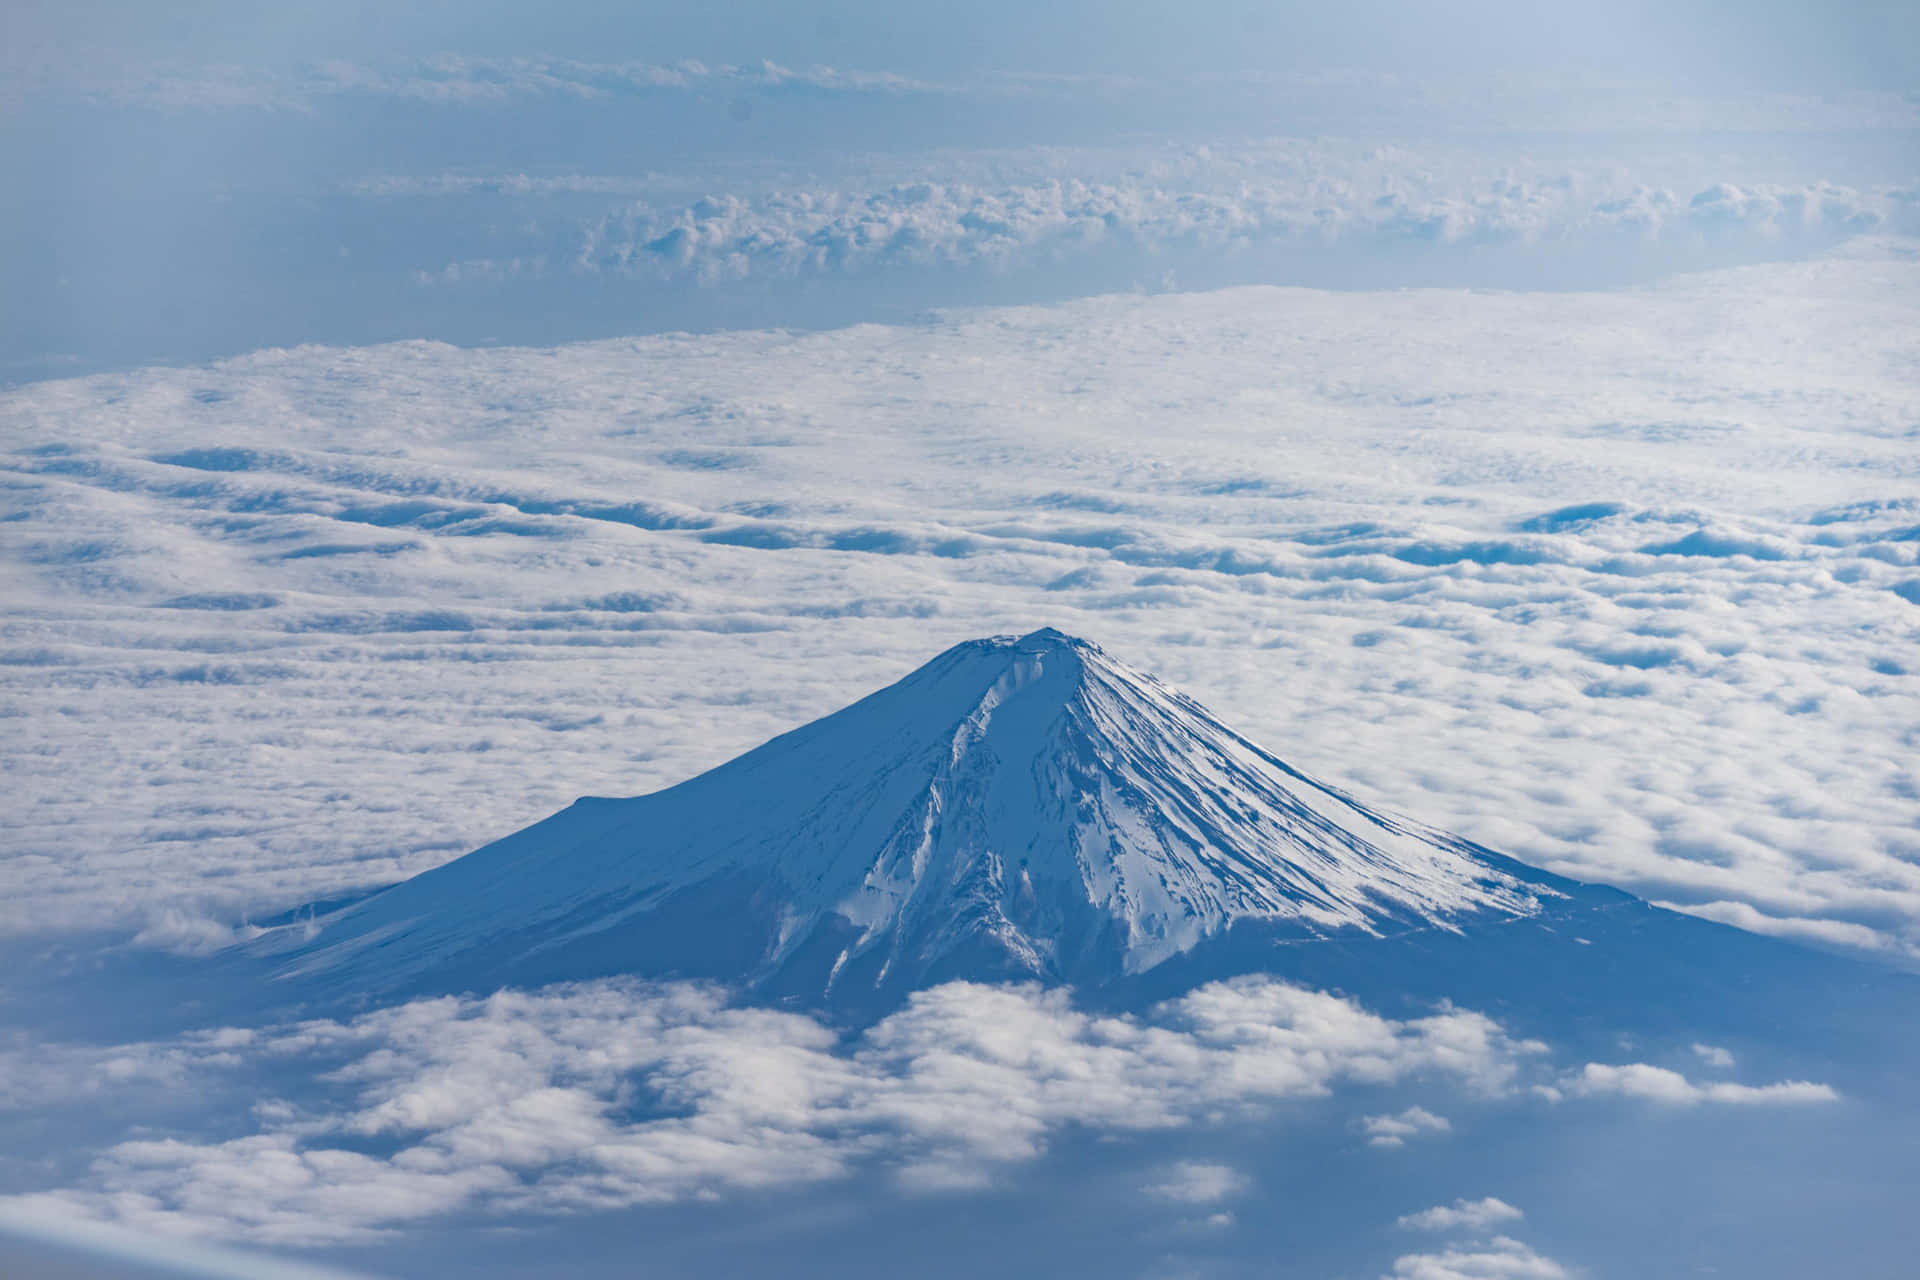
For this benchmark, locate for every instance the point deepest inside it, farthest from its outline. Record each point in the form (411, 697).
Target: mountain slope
(1017, 807)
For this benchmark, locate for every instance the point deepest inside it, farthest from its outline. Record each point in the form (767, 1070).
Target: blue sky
(200, 180)
(1772, 44)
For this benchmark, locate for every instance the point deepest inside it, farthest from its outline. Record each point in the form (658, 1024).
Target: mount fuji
(1017, 808)
(1024, 808)
(882, 912)
(1031, 809)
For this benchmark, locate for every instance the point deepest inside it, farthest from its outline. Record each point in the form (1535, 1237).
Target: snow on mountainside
(1024, 807)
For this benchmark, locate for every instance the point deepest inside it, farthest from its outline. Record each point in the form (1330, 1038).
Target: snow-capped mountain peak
(1022, 806)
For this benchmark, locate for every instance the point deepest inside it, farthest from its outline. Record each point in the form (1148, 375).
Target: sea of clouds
(1624, 584)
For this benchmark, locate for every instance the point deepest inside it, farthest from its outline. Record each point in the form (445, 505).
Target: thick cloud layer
(1626, 585)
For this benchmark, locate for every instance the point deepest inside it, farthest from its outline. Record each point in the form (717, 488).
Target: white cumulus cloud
(1498, 1259)
(1394, 1130)
(1714, 1056)
(1467, 1215)
(1197, 1182)
(1660, 1084)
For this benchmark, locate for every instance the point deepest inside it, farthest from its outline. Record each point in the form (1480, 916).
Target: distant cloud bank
(934, 224)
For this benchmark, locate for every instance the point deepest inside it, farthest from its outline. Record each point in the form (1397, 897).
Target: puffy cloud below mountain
(609, 1094)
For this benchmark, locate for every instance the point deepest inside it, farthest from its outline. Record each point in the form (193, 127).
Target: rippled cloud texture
(1627, 585)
